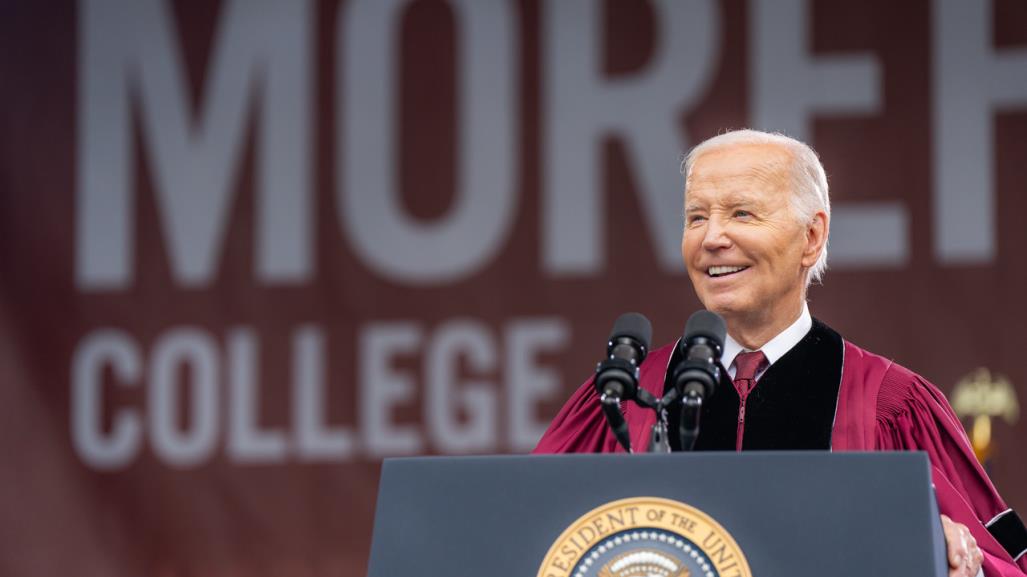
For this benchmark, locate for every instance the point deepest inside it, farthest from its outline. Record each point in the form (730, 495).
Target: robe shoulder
(912, 414)
(580, 426)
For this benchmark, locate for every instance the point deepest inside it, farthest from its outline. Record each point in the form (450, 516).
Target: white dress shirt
(775, 348)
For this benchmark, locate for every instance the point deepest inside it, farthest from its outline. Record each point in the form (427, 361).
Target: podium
(766, 514)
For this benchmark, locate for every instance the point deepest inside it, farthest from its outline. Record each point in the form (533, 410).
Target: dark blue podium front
(792, 514)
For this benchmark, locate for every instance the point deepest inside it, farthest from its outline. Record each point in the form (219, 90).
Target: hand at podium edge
(963, 553)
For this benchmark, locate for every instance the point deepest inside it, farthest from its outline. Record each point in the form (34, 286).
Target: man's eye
(742, 214)
(695, 218)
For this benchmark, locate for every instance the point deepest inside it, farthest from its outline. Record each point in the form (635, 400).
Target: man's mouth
(718, 271)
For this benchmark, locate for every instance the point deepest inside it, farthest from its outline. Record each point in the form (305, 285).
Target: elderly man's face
(746, 252)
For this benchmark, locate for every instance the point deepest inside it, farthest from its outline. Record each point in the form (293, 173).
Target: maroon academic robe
(860, 402)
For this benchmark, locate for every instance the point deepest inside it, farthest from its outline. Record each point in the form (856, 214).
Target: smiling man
(757, 219)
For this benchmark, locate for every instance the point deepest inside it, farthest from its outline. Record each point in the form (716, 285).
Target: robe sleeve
(913, 415)
(579, 427)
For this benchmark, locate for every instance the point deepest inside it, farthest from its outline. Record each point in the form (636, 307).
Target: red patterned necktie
(746, 367)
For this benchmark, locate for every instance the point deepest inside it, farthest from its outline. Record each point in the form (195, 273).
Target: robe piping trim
(837, 399)
(997, 517)
(666, 371)
(1009, 531)
(670, 357)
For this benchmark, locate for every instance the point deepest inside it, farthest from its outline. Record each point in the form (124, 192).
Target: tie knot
(748, 364)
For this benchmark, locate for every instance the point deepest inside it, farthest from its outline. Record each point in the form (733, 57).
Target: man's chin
(727, 308)
(721, 308)
(717, 301)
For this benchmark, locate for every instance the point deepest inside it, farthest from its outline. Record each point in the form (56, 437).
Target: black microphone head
(706, 324)
(617, 376)
(635, 326)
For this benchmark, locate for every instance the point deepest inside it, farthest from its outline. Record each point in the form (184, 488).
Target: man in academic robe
(757, 218)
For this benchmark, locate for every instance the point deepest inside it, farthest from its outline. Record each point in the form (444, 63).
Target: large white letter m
(128, 55)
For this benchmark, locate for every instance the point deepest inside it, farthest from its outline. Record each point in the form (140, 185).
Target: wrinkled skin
(738, 213)
(964, 555)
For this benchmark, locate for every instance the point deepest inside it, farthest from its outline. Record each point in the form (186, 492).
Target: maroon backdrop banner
(248, 249)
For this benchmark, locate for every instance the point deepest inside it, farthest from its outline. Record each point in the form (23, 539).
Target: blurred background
(248, 249)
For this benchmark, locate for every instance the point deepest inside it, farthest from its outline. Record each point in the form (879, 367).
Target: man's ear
(816, 239)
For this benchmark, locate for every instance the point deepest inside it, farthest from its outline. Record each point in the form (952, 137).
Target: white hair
(809, 181)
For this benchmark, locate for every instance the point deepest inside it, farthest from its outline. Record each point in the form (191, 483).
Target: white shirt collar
(775, 347)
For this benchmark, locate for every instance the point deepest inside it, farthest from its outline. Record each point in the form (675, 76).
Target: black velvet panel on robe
(791, 408)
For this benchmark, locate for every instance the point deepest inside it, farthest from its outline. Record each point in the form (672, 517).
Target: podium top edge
(891, 456)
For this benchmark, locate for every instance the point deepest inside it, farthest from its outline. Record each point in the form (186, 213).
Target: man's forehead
(739, 169)
(764, 161)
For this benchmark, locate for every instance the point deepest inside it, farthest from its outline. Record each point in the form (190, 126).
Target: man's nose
(716, 236)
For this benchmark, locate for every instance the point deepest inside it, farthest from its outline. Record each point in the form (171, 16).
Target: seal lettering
(645, 535)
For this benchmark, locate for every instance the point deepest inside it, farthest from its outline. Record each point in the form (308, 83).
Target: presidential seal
(645, 537)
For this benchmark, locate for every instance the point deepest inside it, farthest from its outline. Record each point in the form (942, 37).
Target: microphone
(701, 348)
(616, 377)
(695, 377)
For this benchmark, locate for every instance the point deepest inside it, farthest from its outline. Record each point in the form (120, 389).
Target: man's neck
(752, 333)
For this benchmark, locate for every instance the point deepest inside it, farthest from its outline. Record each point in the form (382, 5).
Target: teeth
(721, 270)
